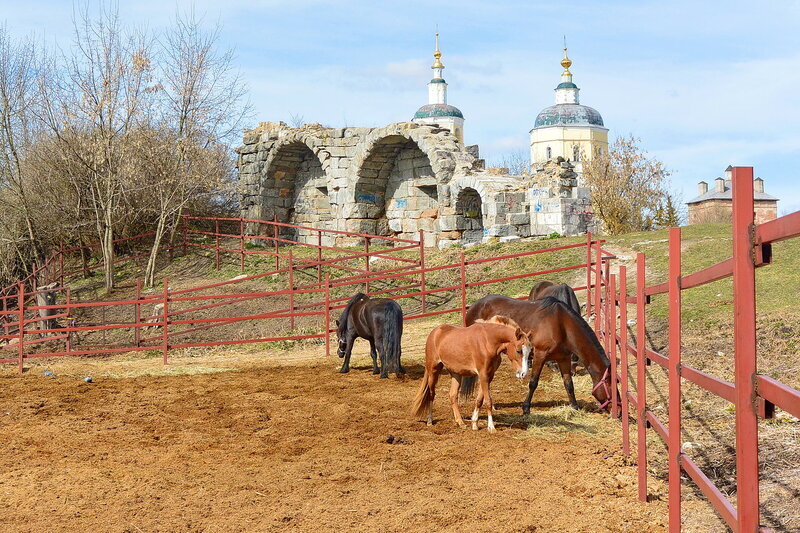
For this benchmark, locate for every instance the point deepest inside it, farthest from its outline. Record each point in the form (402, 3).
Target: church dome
(438, 110)
(568, 115)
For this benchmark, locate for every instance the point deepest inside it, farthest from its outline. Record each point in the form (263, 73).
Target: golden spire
(566, 62)
(437, 63)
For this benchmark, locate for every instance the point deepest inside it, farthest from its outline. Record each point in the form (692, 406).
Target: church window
(549, 153)
(576, 153)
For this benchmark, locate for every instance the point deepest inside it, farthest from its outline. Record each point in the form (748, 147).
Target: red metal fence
(752, 394)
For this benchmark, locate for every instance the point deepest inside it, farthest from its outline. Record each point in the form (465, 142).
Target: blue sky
(703, 84)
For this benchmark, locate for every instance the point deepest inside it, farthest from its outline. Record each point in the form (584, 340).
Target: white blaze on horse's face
(526, 352)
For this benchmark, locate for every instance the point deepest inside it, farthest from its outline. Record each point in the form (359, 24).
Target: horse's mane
(549, 301)
(499, 319)
(346, 311)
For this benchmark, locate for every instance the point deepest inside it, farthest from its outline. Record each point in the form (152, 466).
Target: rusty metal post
(588, 274)
(744, 343)
(165, 339)
(68, 342)
(319, 258)
(623, 343)
(422, 285)
(598, 286)
(612, 336)
(463, 291)
(137, 313)
(21, 333)
(641, 378)
(241, 242)
(674, 375)
(216, 242)
(327, 314)
(61, 263)
(366, 251)
(291, 290)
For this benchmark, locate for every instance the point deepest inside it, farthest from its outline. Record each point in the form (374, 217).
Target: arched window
(576, 153)
(548, 153)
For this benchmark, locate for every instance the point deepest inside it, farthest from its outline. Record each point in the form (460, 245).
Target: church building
(567, 129)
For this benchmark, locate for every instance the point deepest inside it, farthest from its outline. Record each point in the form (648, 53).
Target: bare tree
(626, 186)
(517, 162)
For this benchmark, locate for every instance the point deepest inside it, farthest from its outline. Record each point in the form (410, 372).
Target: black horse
(559, 291)
(380, 321)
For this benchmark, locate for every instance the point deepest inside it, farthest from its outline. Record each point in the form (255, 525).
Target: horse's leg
(475, 413)
(433, 379)
(536, 370)
(486, 380)
(565, 365)
(455, 385)
(374, 354)
(349, 350)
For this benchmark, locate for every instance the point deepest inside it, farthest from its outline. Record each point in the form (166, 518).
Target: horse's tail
(392, 331)
(422, 401)
(467, 387)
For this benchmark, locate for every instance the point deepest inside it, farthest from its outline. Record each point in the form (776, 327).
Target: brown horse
(557, 332)
(559, 291)
(470, 351)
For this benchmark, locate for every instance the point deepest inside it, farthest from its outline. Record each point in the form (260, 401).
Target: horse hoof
(384, 376)
(576, 407)
(344, 370)
(491, 430)
(526, 410)
(376, 372)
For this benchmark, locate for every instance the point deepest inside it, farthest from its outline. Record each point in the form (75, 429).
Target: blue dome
(438, 110)
(568, 115)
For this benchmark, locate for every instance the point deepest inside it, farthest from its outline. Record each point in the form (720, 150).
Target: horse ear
(519, 334)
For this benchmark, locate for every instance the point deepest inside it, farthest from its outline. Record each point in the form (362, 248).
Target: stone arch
(396, 187)
(469, 210)
(295, 188)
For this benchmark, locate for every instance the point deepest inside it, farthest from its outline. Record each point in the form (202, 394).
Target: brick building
(715, 205)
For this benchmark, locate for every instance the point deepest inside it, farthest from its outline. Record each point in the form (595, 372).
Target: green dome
(438, 110)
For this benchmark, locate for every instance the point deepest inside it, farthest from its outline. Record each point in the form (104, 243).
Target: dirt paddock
(233, 443)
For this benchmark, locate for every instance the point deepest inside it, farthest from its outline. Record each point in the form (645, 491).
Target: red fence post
(641, 378)
(291, 290)
(674, 374)
(422, 270)
(327, 314)
(598, 287)
(611, 321)
(216, 242)
(319, 258)
(623, 344)
(21, 309)
(463, 291)
(588, 274)
(744, 327)
(61, 263)
(185, 235)
(68, 342)
(241, 237)
(366, 251)
(137, 313)
(275, 241)
(166, 319)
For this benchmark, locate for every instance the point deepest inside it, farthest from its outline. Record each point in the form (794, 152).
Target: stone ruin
(398, 180)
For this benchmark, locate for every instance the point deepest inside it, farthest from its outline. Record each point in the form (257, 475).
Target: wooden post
(366, 257)
(612, 336)
(319, 258)
(216, 242)
(422, 270)
(463, 291)
(588, 274)
(623, 343)
(744, 349)
(68, 343)
(137, 313)
(641, 378)
(21, 310)
(327, 314)
(165, 339)
(241, 237)
(275, 241)
(674, 375)
(291, 290)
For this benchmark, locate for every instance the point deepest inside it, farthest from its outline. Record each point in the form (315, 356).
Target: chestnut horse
(380, 321)
(559, 291)
(470, 351)
(558, 331)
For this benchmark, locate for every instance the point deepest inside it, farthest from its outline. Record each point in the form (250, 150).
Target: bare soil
(264, 441)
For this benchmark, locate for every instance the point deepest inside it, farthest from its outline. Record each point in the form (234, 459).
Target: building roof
(438, 110)
(712, 194)
(568, 115)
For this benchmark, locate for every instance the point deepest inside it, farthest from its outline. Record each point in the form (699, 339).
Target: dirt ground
(238, 440)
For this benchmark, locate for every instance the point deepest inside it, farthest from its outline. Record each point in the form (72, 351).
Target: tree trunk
(150, 270)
